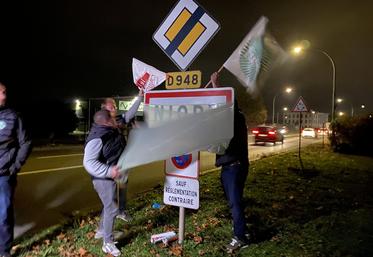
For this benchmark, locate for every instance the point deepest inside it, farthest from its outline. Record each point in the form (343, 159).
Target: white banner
(145, 76)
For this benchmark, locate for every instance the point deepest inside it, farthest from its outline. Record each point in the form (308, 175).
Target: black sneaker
(236, 244)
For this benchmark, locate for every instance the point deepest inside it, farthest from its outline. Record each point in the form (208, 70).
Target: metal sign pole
(181, 224)
(300, 140)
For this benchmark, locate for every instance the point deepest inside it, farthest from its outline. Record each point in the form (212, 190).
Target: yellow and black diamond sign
(185, 32)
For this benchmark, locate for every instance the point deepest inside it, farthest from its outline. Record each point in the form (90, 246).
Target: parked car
(267, 134)
(309, 133)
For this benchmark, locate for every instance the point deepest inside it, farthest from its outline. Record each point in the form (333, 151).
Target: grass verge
(326, 210)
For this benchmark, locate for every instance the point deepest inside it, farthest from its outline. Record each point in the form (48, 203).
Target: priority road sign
(185, 32)
(300, 106)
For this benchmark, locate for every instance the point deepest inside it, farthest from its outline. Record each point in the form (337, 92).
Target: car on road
(283, 130)
(268, 134)
(309, 133)
(323, 131)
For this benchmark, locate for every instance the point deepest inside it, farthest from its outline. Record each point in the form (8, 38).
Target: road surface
(53, 183)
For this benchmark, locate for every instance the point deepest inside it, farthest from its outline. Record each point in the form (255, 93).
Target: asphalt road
(53, 183)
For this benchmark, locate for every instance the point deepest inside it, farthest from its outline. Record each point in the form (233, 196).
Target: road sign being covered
(300, 106)
(185, 32)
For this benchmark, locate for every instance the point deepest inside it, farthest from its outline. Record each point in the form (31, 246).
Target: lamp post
(287, 90)
(299, 49)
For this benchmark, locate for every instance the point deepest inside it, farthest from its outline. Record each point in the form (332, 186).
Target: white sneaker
(110, 248)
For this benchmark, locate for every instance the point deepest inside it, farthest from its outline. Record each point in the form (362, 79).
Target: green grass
(326, 210)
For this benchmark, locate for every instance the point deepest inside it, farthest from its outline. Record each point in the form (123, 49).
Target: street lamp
(340, 100)
(362, 106)
(285, 109)
(287, 90)
(341, 113)
(298, 49)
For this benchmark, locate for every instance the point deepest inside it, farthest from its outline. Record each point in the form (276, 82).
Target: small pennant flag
(145, 76)
(255, 56)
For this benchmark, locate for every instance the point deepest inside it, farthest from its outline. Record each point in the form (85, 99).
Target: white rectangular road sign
(185, 32)
(183, 192)
(186, 101)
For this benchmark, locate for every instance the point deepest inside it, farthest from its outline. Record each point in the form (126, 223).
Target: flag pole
(221, 68)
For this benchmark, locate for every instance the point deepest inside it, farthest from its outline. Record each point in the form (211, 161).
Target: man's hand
(141, 92)
(115, 172)
(215, 80)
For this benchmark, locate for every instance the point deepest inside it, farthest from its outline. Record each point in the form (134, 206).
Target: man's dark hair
(102, 117)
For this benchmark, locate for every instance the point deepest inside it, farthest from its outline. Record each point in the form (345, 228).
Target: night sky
(71, 48)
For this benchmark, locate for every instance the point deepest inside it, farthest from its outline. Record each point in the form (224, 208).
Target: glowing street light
(298, 49)
(363, 106)
(285, 109)
(341, 113)
(77, 104)
(339, 100)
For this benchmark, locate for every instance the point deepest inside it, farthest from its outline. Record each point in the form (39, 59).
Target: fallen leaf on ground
(198, 239)
(82, 252)
(176, 250)
(90, 235)
(61, 236)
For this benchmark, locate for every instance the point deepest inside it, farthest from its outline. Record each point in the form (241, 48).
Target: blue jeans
(105, 189)
(7, 188)
(233, 179)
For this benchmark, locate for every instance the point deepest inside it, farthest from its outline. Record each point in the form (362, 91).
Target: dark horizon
(67, 49)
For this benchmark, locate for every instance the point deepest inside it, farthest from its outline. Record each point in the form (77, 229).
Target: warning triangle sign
(300, 106)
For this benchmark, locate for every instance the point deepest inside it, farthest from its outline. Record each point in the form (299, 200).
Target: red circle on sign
(182, 161)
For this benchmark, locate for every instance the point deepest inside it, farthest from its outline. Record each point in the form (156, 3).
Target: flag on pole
(145, 76)
(257, 54)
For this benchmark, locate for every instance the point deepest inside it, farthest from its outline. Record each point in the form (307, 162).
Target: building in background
(311, 119)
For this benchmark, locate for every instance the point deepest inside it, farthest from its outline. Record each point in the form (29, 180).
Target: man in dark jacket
(234, 165)
(104, 146)
(122, 122)
(14, 150)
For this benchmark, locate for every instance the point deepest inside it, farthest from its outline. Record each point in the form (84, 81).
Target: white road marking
(58, 156)
(49, 170)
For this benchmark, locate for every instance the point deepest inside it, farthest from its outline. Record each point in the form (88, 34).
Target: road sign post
(300, 107)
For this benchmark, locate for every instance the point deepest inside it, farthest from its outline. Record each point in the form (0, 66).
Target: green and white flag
(255, 56)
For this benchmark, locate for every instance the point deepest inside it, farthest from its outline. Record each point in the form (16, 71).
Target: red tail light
(255, 132)
(272, 132)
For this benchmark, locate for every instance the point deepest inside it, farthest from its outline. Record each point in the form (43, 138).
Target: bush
(353, 135)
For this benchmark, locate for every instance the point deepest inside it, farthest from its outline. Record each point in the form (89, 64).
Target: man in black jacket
(14, 150)
(234, 165)
(103, 148)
